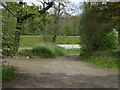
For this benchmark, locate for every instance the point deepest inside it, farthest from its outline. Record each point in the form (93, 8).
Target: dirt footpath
(62, 72)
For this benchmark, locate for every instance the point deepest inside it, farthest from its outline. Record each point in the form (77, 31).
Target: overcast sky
(66, 0)
(75, 2)
(36, 2)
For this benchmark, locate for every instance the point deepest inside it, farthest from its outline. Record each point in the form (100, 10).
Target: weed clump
(8, 73)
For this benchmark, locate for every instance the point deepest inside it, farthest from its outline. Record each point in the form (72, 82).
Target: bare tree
(44, 2)
(58, 11)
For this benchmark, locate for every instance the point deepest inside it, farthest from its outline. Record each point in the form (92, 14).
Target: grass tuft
(8, 73)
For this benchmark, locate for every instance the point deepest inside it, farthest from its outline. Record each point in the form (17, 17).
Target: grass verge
(106, 59)
(72, 51)
(8, 73)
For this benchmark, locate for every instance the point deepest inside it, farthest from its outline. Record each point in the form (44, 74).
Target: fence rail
(69, 46)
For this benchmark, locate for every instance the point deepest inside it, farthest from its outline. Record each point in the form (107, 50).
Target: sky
(66, 0)
(36, 2)
(75, 2)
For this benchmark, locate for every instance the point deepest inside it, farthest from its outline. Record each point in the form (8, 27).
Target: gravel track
(63, 72)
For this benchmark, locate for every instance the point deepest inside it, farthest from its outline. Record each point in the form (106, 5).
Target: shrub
(43, 51)
(93, 29)
(49, 50)
(8, 73)
(110, 41)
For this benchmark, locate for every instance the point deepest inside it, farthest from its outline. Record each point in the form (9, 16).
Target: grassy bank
(106, 59)
(31, 41)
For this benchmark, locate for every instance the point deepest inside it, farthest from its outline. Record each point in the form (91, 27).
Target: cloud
(76, 1)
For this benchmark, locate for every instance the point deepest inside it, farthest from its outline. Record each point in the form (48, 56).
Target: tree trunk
(44, 29)
(17, 36)
(16, 42)
(54, 36)
(44, 33)
(55, 31)
(18, 29)
(56, 18)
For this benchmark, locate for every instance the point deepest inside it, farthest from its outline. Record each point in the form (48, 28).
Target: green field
(31, 41)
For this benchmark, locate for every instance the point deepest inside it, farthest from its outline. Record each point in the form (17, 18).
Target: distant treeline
(67, 26)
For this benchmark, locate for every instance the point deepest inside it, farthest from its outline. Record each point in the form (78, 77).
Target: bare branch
(45, 9)
(41, 12)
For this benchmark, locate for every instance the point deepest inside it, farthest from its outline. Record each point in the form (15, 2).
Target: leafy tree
(22, 12)
(8, 27)
(33, 26)
(95, 24)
